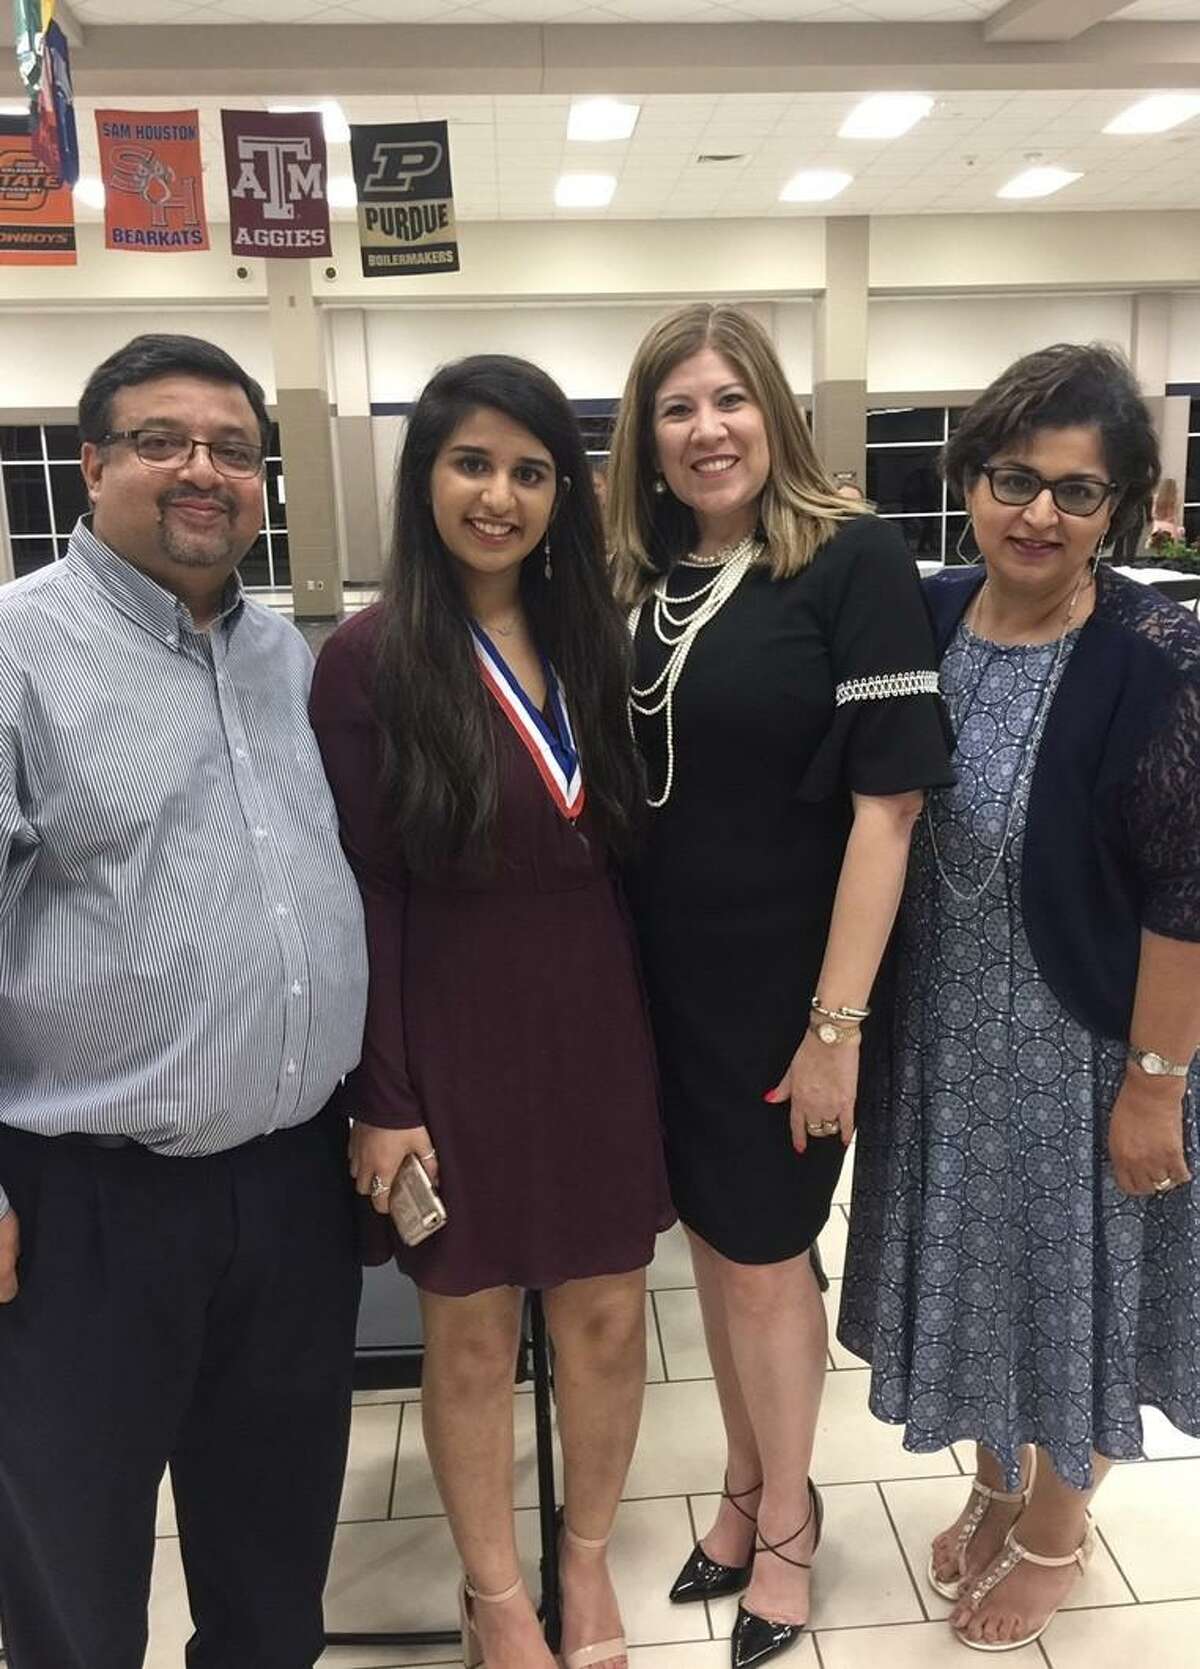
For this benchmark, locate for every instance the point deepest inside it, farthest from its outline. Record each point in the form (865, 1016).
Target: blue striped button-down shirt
(181, 942)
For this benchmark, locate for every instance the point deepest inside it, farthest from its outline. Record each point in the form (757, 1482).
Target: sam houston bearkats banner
(153, 180)
(278, 184)
(405, 198)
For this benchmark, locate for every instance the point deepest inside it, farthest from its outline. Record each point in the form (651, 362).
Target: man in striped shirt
(182, 986)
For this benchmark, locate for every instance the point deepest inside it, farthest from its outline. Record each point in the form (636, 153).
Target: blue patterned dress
(1000, 1284)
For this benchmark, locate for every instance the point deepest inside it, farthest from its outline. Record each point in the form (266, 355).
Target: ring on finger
(379, 1186)
(1165, 1186)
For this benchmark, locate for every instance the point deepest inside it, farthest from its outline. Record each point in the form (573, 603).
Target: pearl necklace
(1039, 724)
(658, 697)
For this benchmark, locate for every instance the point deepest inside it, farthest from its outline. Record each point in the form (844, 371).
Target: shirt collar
(140, 598)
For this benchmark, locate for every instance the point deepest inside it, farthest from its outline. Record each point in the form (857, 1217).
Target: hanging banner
(278, 184)
(37, 214)
(405, 198)
(55, 140)
(28, 24)
(153, 185)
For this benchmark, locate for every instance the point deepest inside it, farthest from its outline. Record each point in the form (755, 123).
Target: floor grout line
(918, 1588)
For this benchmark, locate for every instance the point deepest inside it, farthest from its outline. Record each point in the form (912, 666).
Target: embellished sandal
(982, 1499)
(467, 1598)
(704, 1577)
(1014, 1552)
(584, 1656)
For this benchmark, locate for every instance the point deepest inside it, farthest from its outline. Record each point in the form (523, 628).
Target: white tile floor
(394, 1564)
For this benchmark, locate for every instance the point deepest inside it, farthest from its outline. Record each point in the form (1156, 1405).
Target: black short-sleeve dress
(797, 693)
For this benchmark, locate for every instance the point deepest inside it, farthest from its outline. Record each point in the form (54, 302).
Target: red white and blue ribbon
(552, 749)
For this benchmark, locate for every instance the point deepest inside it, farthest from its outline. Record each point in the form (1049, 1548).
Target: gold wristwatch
(1158, 1066)
(836, 1025)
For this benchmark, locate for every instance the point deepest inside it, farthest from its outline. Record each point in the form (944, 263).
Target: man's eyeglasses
(1074, 495)
(161, 449)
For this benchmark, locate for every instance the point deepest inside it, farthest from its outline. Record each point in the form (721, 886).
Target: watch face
(1154, 1064)
(827, 1032)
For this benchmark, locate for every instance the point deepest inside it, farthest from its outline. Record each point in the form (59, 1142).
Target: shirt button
(291, 1066)
(281, 909)
(297, 988)
(260, 833)
(239, 753)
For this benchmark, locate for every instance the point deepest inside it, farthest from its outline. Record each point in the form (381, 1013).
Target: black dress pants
(192, 1312)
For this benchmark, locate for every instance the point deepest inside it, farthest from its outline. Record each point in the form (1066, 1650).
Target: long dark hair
(439, 765)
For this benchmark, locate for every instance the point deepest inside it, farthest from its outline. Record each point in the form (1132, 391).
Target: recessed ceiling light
(90, 191)
(584, 191)
(333, 118)
(596, 120)
(1156, 114)
(1038, 182)
(342, 193)
(885, 116)
(814, 185)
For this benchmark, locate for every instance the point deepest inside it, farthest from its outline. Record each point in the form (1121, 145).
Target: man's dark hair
(1071, 385)
(150, 356)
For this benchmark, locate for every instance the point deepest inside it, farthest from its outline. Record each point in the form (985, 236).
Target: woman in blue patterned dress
(1024, 1266)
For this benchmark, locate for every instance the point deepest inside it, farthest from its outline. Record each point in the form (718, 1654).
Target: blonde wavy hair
(800, 507)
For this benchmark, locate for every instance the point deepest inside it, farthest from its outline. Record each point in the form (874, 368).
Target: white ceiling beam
(70, 25)
(1047, 20)
(307, 61)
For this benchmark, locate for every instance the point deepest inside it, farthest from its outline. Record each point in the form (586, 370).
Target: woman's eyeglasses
(1074, 495)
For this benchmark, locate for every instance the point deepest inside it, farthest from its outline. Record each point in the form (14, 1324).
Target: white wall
(1183, 359)
(962, 343)
(45, 358)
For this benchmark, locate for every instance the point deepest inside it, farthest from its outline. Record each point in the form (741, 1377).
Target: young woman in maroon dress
(474, 732)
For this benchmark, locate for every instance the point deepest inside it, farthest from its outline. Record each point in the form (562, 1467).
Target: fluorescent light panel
(1156, 114)
(597, 120)
(333, 118)
(584, 191)
(815, 185)
(885, 116)
(1038, 182)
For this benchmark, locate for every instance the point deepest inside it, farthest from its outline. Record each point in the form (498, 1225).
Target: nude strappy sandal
(1014, 1552)
(585, 1656)
(982, 1498)
(467, 1597)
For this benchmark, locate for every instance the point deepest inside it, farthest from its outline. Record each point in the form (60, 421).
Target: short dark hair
(151, 356)
(1065, 386)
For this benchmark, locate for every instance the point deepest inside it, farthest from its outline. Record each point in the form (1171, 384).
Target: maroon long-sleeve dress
(505, 1014)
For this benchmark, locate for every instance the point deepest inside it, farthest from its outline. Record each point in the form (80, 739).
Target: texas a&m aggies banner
(278, 184)
(37, 215)
(405, 199)
(153, 182)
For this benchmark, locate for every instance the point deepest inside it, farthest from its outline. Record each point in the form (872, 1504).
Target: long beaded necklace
(1035, 736)
(730, 567)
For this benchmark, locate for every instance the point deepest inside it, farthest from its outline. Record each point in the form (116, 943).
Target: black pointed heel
(705, 1578)
(754, 1638)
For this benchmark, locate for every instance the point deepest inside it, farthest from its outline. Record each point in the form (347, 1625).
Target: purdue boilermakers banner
(278, 184)
(405, 199)
(37, 215)
(153, 180)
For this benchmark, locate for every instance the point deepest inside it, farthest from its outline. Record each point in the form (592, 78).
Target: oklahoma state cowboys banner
(405, 199)
(37, 216)
(153, 180)
(278, 184)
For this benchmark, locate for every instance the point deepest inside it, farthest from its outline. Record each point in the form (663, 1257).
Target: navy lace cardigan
(1112, 840)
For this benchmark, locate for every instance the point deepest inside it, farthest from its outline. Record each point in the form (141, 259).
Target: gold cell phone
(416, 1207)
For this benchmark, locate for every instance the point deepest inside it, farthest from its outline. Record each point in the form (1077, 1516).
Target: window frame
(946, 512)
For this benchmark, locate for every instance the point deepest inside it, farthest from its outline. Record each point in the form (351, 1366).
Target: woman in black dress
(785, 702)
(473, 728)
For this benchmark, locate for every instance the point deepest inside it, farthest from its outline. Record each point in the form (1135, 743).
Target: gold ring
(1164, 1187)
(379, 1186)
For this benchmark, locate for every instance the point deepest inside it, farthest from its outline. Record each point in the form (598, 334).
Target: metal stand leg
(551, 1608)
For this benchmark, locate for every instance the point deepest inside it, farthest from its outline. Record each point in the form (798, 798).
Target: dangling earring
(548, 568)
(967, 561)
(660, 486)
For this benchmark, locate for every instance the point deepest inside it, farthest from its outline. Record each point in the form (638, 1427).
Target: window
(1191, 487)
(45, 496)
(904, 481)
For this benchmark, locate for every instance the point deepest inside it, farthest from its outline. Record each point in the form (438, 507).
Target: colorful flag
(37, 215)
(153, 182)
(405, 198)
(55, 140)
(278, 179)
